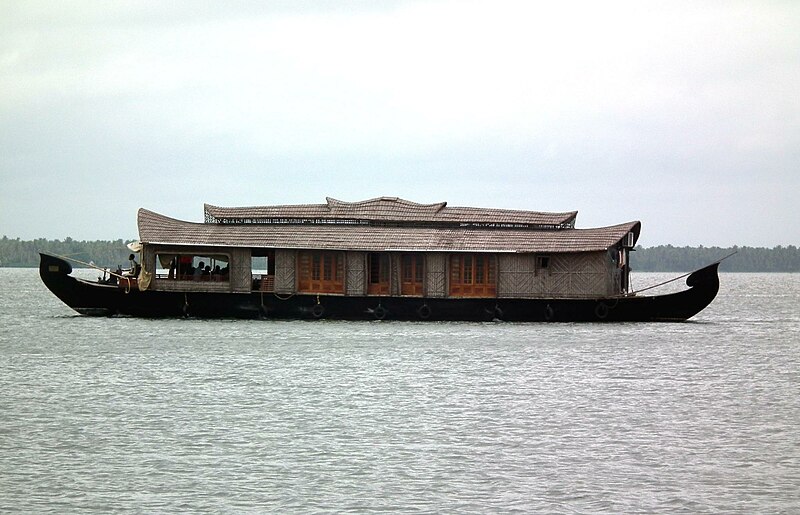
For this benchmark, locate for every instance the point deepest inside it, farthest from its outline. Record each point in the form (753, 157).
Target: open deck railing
(264, 283)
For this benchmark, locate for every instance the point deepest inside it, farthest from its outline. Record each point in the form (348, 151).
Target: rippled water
(125, 414)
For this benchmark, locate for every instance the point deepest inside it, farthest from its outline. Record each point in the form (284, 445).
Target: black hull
(97, 299)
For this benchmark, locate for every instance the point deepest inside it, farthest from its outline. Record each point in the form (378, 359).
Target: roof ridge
(332, 203)
(390, 210)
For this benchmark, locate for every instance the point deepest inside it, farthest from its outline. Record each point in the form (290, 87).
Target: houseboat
(379, 259)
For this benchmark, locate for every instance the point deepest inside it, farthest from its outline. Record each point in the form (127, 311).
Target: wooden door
(378, 273)
(412, 274)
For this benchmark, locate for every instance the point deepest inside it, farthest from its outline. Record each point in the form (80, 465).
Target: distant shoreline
(17, 253)
(666, 258)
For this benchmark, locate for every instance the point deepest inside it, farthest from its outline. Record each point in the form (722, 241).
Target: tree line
(22, 253)
(666, 258)
(662, 258)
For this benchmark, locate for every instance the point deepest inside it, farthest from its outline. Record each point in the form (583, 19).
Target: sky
(683, 115)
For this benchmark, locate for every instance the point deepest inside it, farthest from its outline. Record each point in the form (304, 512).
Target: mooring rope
(684, 275)
(662, 284)
(92, 265)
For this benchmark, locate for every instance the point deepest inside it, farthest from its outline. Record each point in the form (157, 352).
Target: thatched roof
(388, 210)
(159, 229)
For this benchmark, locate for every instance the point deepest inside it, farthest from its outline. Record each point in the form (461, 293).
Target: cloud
(601, 107)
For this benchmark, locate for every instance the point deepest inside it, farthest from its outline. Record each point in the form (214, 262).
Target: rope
(662, 284)
(92, 265)
(684, 275)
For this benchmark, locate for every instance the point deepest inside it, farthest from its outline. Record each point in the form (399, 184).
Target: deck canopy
(384, 224)
(388, 211)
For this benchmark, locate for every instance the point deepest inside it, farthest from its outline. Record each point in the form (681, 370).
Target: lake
(124, 414)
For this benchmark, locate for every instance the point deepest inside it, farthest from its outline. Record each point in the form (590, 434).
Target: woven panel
(395, 273)
(285, 274)
(576, 275)
(191, 286)
(356, 283)
(517, 276)
(241, 270)
(586, 283)
(148, 258)
(436, 275)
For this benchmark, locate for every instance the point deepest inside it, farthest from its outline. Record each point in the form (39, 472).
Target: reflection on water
(190, 415)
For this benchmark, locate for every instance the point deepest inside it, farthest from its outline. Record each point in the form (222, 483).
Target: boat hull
(95, 299)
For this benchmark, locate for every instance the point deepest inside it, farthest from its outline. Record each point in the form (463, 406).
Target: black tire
(424, 312)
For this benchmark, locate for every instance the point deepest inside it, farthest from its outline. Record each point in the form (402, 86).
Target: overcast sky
(684, 115)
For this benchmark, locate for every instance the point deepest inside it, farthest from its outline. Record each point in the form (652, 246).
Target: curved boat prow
(706, 276)
(52, 265)
(673, 307)
(85, 298)
(703, 287)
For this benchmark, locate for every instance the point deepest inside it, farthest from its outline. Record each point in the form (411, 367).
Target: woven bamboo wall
(436, 274)
(568, 275)
(575, 275)
(241, 268)
(517, 277)
(394, 278)
(356, 275)
(285, 271)
(190, 286)
(148, 258)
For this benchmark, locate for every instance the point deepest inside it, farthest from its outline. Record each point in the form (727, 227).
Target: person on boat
(198, 271)
(134, 266)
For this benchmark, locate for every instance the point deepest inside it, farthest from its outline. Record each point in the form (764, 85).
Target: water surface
(125, 414)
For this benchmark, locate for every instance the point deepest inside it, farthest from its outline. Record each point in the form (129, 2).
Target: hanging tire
(424, 312)
(379, 313)
(549, 313)
(318, 311)
(601, 311)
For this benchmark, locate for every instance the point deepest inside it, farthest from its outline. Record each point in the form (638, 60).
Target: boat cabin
(385, 247)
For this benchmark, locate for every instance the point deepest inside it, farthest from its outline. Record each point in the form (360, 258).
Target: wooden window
(473, 275)
(328, 269)
(320, 271)
(316, 267)
(378, 267)
(413, 274)
(466, 267)
(542, 264)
